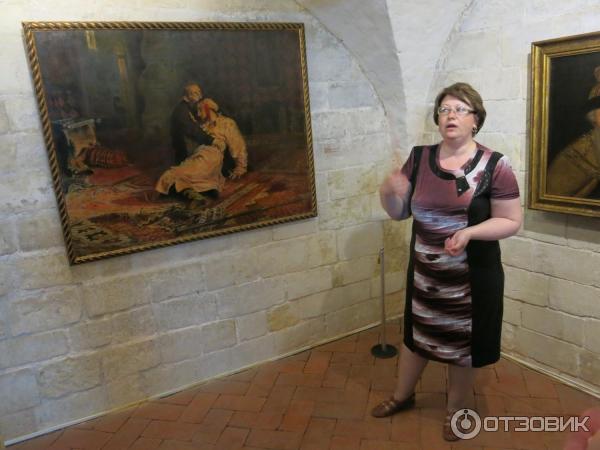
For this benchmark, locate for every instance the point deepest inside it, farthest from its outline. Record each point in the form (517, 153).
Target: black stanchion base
(378, 351)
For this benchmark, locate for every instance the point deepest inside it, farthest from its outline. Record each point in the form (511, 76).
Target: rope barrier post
(383, 350)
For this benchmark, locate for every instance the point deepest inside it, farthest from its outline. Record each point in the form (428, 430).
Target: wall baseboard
(550, 372)
(569, 381)
(197, 383)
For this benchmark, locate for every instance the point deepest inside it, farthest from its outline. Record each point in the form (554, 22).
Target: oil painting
(163, 133)
(565, 135)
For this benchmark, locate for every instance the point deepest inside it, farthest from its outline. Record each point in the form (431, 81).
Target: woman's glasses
(459, 110)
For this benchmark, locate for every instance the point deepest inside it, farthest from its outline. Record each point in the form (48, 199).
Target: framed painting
(163, 133)
(564, 163)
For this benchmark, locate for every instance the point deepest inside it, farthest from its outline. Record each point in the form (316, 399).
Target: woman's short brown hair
(465, 93)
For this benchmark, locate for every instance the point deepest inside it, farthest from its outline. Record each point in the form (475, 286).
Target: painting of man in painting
(162, 136)
(574, 137)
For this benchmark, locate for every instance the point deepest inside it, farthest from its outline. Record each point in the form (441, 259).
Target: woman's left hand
(456, 243)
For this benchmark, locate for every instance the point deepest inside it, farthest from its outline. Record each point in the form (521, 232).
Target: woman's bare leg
(460, 385)
(410, 368)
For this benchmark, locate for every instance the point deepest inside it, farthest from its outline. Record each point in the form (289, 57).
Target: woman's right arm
(395, 195)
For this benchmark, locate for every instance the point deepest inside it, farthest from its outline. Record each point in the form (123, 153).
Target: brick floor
(321, 399)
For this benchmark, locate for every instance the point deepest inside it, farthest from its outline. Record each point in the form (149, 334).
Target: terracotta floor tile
(277, 440)
(297, 416)
(211, 427)
(318, 362)
(127, 434)
(341, 345)
(265, 377)
(198, 407)
(232, 439)
(384, 383)
(316, 444)
(365, 430)
(320, 394)
(159, 411)
(500, 437)
(300, 379)
(336, 375)
(346, 409)
(111, 423)
(262, 420)
(344, 443)
(146, 444)
(287, 365)
(319, 429)
(258, 390)
(59, 446)
(430, 400)
(181, 445)
(368, 444)
(161, 429)
(226, 387)
(279, 399)
(539, 385)
(239, 403)
(83, 439)
(356, 390)
(321, 399)
(574, 402)
(405, 426)
(39, 443)
(490, 405)
(318, 434)
(352, 358)
(383, 371)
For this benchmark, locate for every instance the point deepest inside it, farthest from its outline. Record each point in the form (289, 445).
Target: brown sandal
(447, 432)
(391, 406)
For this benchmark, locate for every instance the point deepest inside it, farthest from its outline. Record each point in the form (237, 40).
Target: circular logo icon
(466, 423)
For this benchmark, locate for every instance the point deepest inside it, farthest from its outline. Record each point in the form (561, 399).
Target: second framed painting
(564, 164)
(162, 133)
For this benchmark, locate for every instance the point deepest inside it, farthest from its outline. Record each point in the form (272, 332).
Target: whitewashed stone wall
(420, 31)
(77, 341)
(552, 309)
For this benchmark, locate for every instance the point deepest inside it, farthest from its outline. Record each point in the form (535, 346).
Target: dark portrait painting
(565, 135)
(161, 133)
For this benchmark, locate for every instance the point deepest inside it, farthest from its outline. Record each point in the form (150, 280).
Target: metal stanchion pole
(383, 350)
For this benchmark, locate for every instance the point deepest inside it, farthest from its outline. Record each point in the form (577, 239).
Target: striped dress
(453, 309)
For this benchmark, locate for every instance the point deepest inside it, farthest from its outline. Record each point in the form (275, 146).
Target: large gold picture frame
(564, 162)
(163, 133)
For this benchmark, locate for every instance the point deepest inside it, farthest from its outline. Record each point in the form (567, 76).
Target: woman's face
(452, 126)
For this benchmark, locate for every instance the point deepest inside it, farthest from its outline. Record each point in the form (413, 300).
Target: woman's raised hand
(395, 195)
(397, 183)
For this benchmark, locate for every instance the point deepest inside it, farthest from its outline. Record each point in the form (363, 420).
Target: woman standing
(463, 197)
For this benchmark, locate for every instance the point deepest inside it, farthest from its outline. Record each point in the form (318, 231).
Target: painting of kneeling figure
(163, 133)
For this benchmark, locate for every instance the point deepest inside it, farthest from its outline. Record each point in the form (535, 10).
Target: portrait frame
(107, 92)
(564, 156)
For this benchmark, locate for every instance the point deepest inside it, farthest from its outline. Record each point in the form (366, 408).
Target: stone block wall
(76, 341)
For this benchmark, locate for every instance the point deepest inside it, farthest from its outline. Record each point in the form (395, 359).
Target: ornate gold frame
(31, 28)
(543, 55)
